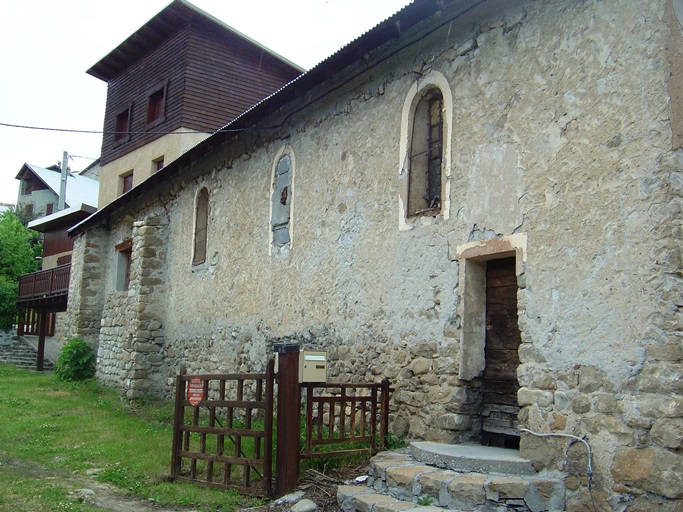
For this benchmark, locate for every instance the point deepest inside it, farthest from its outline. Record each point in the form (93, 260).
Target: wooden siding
(57, 242)
(229, 73)
(133, 86)
(213, 76)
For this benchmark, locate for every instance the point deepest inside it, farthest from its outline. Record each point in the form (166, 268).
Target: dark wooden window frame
(126, 182)
(156, 104)
(121, 128)
(157, 164)
(426, 154)
(125, 248)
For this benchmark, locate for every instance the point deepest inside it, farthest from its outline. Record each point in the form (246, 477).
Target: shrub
(8, 303)
(76, 361)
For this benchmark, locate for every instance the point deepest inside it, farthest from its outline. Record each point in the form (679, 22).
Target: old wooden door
(499, 413)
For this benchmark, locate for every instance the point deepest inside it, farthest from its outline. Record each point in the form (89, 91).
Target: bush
(76, 361)
(8, 303)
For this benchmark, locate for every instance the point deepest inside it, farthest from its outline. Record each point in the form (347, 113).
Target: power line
(109, 133)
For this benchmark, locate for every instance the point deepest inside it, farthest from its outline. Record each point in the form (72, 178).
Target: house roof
(63, 218)
(160, 27)
(405, 27)
(79, 189)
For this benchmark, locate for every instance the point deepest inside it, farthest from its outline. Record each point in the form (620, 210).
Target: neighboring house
(480, 201)
(177, 79)
(6, 206)
(39, 194)
(38, 190)
(80, 202)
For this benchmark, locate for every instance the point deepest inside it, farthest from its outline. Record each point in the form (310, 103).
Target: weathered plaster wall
(141, 163)
(561, 132)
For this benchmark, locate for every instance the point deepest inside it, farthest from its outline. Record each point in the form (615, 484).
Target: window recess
(426, 155)
(156, 104)
(122, 125)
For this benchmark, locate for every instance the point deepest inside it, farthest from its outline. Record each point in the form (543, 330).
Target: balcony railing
(45, 284)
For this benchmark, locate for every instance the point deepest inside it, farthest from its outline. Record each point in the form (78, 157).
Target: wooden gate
(223, 426)
(226, 440)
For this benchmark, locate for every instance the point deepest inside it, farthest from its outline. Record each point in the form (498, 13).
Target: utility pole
(62, 187)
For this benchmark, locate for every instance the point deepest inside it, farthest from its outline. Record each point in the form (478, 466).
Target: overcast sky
(48, 45)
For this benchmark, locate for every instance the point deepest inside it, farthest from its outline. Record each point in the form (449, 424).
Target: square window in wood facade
(122, 127)
(156, 104)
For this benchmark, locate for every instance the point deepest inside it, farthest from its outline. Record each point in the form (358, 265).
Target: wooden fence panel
(225, 441)
(345, 419)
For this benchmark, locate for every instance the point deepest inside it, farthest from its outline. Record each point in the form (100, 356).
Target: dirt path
(84, 488)
(315, 486)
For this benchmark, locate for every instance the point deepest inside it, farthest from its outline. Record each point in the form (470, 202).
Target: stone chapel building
(478, 199)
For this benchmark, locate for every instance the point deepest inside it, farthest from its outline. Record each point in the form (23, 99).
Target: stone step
(471, 458)
(399, 481)
(23, 355)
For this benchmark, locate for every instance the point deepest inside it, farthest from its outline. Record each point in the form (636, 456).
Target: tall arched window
(426, 155)
(201, 227)
(281, 202)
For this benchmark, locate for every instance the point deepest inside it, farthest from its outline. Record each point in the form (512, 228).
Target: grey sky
(47, 46)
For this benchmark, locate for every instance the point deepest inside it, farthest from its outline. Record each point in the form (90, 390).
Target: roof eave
(355, 51)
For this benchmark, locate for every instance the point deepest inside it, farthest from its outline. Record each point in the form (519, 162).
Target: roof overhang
(404, 28)
(62, 218)
(163, 25)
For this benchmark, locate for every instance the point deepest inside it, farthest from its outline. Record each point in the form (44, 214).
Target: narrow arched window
(426, 155)
(201, 227)
(281, 202)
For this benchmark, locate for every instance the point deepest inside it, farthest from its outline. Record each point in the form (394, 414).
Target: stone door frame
(472, 258)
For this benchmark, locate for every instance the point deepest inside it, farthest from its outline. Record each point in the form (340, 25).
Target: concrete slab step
(472, 458)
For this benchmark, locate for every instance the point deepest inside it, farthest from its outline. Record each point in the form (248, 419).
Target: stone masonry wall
(89, 268)
(131, 337)
(560, 136)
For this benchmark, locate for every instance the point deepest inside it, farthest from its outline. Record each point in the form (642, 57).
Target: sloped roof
(403, 28)
(79, 189)
(160, 27)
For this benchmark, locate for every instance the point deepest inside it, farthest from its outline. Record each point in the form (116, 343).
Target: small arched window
(426, 155)
(201, 227)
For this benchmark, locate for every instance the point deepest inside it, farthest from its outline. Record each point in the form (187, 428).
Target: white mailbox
(312, 366)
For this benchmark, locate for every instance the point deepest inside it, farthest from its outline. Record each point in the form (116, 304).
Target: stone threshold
(399, 481)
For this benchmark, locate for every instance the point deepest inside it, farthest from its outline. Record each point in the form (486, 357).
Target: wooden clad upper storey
(182, 70)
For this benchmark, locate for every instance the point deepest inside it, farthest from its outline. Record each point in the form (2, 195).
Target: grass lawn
(58, 437)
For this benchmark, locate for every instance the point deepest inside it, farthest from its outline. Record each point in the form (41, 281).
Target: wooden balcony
(47, 288)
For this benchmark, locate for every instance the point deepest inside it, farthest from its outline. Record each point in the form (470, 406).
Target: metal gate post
(178, 420)
(288, 418)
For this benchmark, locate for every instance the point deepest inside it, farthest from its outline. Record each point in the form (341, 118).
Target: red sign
(195, 391)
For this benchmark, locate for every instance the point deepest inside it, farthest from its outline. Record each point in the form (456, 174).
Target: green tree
(19, 250)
